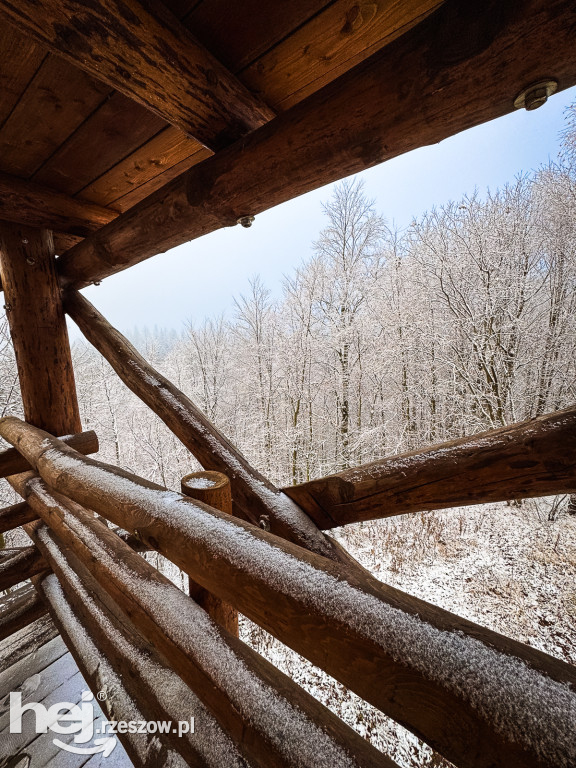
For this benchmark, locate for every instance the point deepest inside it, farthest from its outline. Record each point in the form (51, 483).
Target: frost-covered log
(533, 458)
(88, 619)
(17, 565)
(271, 719)
(145, 750)
(18, 609)
(213, 488)
(478, 698)
(254, 496)
(15, 515)
(11, 462)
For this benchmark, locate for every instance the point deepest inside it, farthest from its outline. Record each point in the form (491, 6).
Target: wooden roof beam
(24, 202)
(144, 52)
(465, 64)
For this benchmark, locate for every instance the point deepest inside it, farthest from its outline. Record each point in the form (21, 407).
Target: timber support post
(38, 328)
(212, 488)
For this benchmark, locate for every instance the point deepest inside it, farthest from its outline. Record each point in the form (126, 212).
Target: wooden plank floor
(35, 662)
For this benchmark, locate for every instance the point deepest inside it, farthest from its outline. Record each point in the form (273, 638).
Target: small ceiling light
(535, 95)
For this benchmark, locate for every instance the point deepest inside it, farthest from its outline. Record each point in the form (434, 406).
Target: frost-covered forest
(385, 341)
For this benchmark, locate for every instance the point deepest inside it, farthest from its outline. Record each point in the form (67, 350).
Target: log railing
(478, 698)
(248, 696)
(533, 458)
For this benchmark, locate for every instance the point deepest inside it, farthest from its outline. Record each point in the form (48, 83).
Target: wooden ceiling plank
(56, 102)
(425, 86)
(165, 150)
(25, 202)
(102, 141)
(20, 59)
(148, 55)
(248, 32)
(343, 35)
(127, 201)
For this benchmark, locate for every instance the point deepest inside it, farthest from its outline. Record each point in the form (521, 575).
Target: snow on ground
(509, 568)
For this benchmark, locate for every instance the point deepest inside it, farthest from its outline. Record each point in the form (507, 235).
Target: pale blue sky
(202, 277)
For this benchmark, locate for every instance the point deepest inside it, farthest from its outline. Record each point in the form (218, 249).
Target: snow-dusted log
(11, 462)
(17, 565)
(87, 617)
(145, 750)
(18, 609)
(213, 488)
(478, 698)
(533, 458)
(254, 496)
(270, 718)
(15, 515)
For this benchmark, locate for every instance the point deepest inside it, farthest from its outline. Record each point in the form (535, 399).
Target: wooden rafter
(144, 52)
(462, 66)
(24, 202)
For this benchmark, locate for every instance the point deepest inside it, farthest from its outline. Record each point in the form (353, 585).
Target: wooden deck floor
(35, 662)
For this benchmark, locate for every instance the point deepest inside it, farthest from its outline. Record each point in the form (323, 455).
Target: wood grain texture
(249, 32)
(167, 149)
(357, 629)
(194, 647)
(15, 515)
(17, 565)
(54, 105)
(25, 202)
(425, 86)
(38, 328)
(19, 609)
(213, 489)
(11, 462)
(253, 495)
(342, 35)
(33, 641)
(102, 141)
(20, 59)
(145, 53)
(521, 461)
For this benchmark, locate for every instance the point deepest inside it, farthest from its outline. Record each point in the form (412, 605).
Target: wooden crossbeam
(20, 608)
(465, 64)
(20, 564)
(254, 497)
(11, 462)
(270, 719)
(144, 52)
(525, 460)
(443, 677)
(24, 202)
(15, 515)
